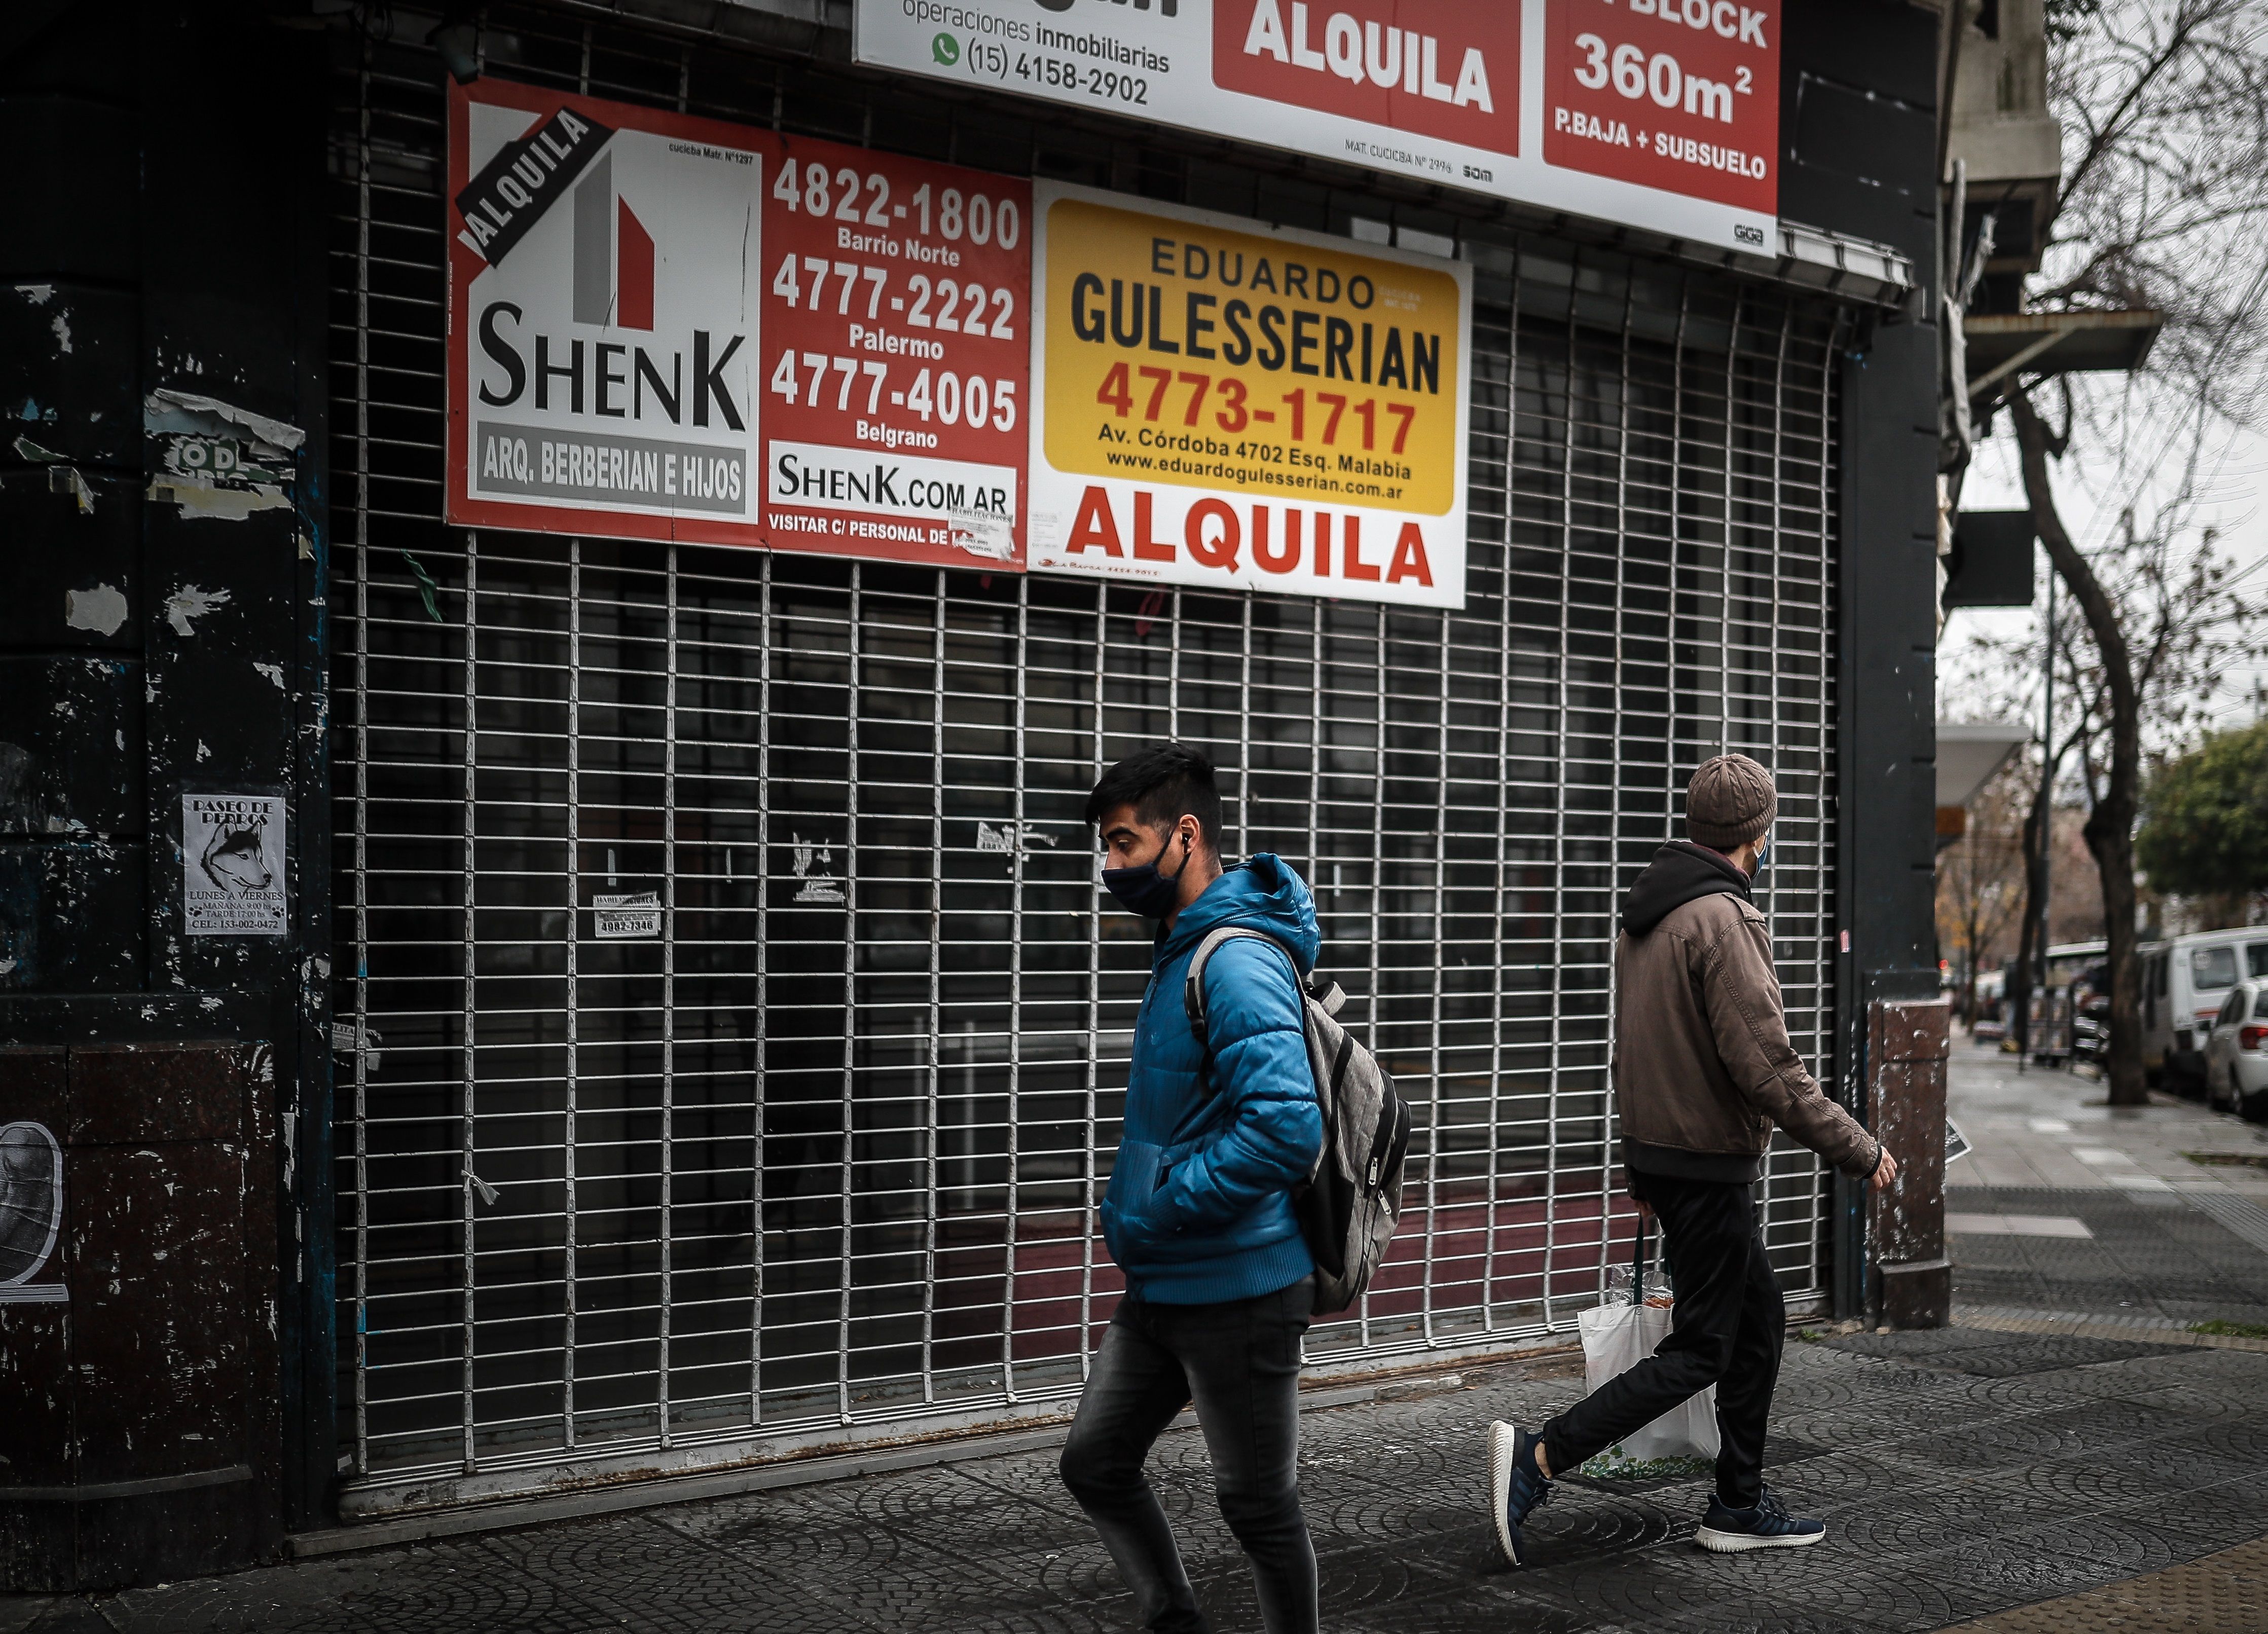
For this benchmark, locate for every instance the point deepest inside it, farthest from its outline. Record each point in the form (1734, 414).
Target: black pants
(1727, 1330)
(1239, 1362)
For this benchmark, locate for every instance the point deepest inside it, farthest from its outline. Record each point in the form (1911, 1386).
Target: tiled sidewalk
(1962, 1473)
(2052, 1130)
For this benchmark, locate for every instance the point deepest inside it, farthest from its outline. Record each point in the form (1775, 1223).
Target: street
(2074, 1434)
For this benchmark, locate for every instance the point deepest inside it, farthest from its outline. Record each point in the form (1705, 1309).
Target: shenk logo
(612, 256)
(618, 381)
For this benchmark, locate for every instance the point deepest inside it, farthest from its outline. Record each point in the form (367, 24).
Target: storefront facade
(813, 1160)
(726, 1032)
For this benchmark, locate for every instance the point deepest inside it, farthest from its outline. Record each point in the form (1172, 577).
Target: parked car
(2184, 983)
(1991, 1023)
(2090, 1026)
(2236, 1053)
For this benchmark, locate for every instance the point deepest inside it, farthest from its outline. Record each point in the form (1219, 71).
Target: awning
(1999, 345)
(1969, 753)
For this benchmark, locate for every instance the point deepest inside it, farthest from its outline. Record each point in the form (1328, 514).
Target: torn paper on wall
(190, 603)
(100, 608)
(347, 1040)
(63, 475)
(215, 460)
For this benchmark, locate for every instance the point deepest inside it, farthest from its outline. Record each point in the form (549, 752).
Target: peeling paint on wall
(15, 814)
(270, 433)
(101, 608)
(190, 603)
(63, 475)
(38, 294)
(274, 671)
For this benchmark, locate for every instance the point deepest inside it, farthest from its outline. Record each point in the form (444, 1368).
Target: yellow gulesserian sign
(1234, 407)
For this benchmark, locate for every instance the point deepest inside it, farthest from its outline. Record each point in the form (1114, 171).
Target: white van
(2184, 983)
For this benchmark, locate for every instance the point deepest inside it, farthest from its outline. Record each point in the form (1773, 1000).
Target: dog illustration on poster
(233, 862)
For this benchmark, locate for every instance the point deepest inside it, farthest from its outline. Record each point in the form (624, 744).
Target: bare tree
(2163, 204)
(2036, 838)
(1980, 878)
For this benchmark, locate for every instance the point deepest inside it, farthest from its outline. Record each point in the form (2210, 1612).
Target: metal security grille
(817, 1159)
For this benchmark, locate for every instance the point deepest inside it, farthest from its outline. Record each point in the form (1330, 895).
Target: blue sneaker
(1726, 1530)
(1515, 1484)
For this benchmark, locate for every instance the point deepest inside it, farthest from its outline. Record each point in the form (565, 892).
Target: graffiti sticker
(31, 1213)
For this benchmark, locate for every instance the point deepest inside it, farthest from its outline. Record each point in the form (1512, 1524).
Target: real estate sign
(668, 327)
(1662, 115)
(1225, 405)
(671, 328)
(603, 347)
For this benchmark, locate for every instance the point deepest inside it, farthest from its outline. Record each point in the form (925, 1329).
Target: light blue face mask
(1763, 853)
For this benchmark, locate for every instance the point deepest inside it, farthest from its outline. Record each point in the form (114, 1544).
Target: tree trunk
(2017, 994)
(2110, 826)
(1972, 927)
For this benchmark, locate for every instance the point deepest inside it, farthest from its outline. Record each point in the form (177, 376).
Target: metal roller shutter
(816, 1162)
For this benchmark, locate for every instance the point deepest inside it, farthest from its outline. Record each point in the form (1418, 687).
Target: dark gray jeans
(1239, 1362)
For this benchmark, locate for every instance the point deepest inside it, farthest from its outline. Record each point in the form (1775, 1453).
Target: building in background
(1998, 126)
(573, 569)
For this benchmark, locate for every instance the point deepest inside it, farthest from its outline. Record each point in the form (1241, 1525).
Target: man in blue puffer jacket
(1219, 1285)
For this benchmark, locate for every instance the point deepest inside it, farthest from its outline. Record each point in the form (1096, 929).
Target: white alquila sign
(605, 289)
(232, 876)
(1662, 115)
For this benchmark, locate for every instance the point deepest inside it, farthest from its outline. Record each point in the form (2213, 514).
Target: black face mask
(1144, 890)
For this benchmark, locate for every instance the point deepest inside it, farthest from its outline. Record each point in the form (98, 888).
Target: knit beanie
(1729, 803)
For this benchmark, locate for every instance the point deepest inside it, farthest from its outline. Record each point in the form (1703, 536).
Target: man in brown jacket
(1703, 1071)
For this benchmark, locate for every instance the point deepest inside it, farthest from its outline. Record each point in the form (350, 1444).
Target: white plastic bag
(1616, 1338)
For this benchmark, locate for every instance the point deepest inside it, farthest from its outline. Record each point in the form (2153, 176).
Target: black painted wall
(162, 197)
(1859, 128)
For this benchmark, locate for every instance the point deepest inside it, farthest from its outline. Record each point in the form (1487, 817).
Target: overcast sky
(2090, 490)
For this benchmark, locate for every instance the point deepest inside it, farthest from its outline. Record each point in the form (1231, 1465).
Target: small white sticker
(232, 879)
(628, 916)
(344, 1041)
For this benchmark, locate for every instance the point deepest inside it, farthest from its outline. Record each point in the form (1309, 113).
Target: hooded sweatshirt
(1199, 1207)
(1703, 1064)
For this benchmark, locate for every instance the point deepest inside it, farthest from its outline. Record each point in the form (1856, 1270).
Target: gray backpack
(1348, 1206)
